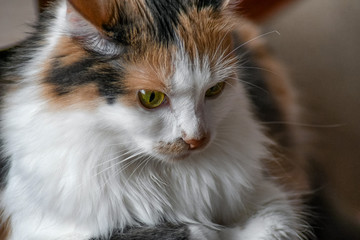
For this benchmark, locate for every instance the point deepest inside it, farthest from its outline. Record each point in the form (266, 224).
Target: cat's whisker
(218, 47)
(119, 143)
(251, 84)
(229, 84)
(113, 166)
(147, 160)
(123, 153)
(304, 124)
(123, 168)
(259, 68)
(253, 39)
(117, 163)
(129, 177)
(158, 181)
(118, 171)
(111, 160)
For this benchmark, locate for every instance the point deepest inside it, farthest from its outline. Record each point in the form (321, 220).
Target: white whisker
(253, 39)
(251, 84)
(305, 124)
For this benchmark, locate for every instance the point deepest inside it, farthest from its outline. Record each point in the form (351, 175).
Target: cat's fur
(81, 157)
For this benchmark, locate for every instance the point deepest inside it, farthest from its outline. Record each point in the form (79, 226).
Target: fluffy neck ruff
(78, 175)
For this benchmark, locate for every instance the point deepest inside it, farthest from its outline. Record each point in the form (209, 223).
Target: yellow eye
(215, 90)
(150, 98)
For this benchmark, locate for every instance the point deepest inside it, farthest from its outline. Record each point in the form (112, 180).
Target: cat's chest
(197, 195)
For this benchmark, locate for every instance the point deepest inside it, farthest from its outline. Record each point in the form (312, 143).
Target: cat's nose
(196, 143)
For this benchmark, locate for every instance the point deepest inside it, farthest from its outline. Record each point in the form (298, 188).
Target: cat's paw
(198, 232)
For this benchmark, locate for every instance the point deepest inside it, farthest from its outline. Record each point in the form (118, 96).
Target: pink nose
(196, 143)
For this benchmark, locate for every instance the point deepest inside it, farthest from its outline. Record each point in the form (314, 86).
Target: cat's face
(160, 82)
(173, 115)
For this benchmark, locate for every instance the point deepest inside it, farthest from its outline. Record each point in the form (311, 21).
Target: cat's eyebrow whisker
(225, 65)
(253, 39)
(221, 41)
(227, 83)
(220, 62)
(251, 84)
(259, 68)
(305, 124)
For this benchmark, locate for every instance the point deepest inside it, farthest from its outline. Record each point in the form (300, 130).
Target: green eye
(215, 90)
(150, 98)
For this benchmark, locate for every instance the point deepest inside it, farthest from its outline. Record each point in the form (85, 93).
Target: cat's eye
(151, 98)
(215, 90)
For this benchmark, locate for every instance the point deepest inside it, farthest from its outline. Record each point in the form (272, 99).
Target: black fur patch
(108, 78)
(160, 232)
(166, 14)
(166, 17)
(4, 167)
(5, 56)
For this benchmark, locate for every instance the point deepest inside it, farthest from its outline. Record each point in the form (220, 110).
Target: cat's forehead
(165, 42)
(137, 22)
(193, 38)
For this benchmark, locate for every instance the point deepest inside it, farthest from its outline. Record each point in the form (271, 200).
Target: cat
(127, 117)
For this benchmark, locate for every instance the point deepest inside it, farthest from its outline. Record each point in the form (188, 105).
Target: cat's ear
(231, 4)
(85, 21)
(96, 12)
(255, 10)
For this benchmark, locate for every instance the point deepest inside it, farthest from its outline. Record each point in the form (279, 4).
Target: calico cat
(120, 118)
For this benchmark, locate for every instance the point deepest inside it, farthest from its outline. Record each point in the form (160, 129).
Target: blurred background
(320, 46)
(319, 43)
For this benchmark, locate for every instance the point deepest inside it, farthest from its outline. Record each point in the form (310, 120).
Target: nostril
(196, 143)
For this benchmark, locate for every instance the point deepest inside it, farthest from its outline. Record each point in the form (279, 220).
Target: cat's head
(159, 75)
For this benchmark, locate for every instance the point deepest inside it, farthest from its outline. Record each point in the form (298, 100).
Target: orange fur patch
(86, 96)
(151, 70)
(67, 52)
(206, 33)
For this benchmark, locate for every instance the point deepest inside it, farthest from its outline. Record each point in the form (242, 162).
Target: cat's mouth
(180, 149)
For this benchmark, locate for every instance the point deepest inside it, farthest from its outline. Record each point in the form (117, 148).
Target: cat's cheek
(220, 108)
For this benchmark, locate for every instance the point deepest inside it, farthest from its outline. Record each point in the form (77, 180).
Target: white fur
(77, 173)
